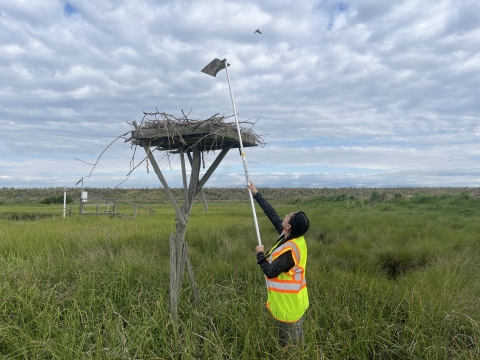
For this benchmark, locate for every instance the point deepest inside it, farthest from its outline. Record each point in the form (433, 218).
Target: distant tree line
(220, 195)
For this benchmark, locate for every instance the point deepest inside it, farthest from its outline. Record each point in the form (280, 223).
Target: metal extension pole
(64, 200)
(243, 155)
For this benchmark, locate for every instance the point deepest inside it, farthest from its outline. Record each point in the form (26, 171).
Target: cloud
(366, 93)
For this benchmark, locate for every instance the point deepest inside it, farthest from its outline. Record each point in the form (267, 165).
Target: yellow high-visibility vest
(287, 293)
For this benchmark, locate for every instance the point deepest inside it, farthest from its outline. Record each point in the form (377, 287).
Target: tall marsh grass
(393, 280)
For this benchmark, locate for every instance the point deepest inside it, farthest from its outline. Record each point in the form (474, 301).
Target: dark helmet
(299, 223)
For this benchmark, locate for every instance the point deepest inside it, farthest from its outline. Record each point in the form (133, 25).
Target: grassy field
(389, 278)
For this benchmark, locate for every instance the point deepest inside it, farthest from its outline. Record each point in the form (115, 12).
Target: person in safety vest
(284, 267)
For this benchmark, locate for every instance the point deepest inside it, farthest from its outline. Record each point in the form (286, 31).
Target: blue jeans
(290, 333)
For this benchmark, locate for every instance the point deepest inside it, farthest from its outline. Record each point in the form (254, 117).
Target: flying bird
(257, 31)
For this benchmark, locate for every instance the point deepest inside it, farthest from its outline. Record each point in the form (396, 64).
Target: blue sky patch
(69, 10)
(333, 10)
(340, 7)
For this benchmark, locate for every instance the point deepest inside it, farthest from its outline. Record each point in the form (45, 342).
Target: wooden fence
(110, 207)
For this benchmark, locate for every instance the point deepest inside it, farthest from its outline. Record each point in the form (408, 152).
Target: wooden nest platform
(167, 132)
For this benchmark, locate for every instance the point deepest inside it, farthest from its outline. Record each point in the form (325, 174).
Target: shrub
(56, 199)
(423, 199)
(397, 263)
(376, 197)
(465, 195)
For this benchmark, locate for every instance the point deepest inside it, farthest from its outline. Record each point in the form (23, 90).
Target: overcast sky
(367, 93)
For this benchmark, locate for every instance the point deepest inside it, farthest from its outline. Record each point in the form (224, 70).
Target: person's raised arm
(267, 208)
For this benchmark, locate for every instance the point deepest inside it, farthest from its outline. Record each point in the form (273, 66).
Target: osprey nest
(167, 132)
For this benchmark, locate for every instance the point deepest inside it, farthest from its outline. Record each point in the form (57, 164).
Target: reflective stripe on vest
(294, 280)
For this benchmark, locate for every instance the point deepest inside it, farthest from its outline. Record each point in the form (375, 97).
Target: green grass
(395, 279)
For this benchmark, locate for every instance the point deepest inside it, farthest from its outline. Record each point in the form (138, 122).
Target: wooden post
(192, 277)
(173, 278)
(202, 195)
(179, 242)
(181, 229)
(178, 248)
(184, 175)
(192, 188)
